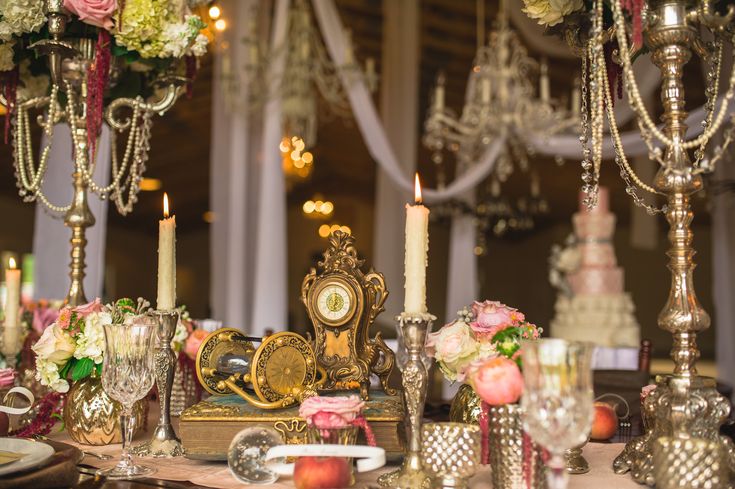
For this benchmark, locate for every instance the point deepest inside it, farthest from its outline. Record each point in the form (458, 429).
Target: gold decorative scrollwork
(293, 431)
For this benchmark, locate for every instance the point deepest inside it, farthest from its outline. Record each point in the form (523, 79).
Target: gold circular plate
(221, 342)
(283, 362)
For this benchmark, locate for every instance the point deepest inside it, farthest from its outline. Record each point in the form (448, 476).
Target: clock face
(334, 303)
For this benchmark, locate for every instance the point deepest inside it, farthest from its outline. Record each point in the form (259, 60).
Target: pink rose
(453, 347)
(94, 12)
(331, 412)
(492, 317)
(497, 380)
(43, 317)
(193, 342)
(7, 377)
(87, 309)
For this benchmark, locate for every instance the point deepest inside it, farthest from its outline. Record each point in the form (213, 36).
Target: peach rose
(94, 12)
(331, 412)
(193, 342)
(496, 380)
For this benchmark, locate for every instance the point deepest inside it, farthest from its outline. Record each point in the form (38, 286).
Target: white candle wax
(544, 88)
(417, 247)
(439, 97)
(166, 261)
(11, 331)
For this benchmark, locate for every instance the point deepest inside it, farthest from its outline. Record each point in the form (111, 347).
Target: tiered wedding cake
(595, 307)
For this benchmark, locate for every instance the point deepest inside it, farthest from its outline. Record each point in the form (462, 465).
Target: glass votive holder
(450, 453)
(692, 463)
(332, 436)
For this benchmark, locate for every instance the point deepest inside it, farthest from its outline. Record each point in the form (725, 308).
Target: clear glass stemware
(557, 399)
(127, 376)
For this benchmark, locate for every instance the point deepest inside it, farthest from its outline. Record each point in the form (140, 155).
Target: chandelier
(308, 75)
(502, 100)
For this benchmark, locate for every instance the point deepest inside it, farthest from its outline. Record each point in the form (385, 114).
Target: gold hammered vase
(91, 417)
(505, 439)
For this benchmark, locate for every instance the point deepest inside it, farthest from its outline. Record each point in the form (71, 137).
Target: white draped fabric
(50, 236)
(270, 292)
(399, 111)
(233, 183)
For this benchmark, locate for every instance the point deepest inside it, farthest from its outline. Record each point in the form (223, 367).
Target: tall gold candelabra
(684, 404)
(68, 61)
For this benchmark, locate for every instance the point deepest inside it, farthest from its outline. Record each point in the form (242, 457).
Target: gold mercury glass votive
(450, 453)
(692, 463)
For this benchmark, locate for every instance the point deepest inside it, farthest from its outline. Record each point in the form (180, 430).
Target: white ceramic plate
(36, 454)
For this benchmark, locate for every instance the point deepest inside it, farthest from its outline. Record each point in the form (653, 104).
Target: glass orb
(246, 455)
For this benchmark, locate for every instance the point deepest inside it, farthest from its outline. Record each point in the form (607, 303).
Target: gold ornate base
(409, 476)
(575, 461)
(694, 406)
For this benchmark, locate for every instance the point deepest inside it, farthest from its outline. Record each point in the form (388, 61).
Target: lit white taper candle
(417, 248)
(166, 260)
(11, 329)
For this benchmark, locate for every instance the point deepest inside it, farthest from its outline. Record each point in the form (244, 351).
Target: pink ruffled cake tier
(597, 281)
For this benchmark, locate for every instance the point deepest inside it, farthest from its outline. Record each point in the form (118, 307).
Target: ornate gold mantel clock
(342, 303)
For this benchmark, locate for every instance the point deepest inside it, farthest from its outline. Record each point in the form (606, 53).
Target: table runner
(217, 475)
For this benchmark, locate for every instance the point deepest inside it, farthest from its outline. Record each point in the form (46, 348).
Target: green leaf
(82, 369)
(65, 369)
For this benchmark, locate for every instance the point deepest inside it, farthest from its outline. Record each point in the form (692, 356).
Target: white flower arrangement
(74, 345)
(551, 12)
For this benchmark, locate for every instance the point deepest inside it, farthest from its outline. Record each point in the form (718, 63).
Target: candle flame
(417, 190)
(11, 263)
(165, 204)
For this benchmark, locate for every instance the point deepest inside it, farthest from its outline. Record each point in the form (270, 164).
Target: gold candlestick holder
(414, 328)
(164, 442)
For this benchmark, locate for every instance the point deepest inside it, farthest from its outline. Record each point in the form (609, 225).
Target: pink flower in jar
(331, 412)
(193, 342)
(492, 317)
(94, 12)
(497, 380)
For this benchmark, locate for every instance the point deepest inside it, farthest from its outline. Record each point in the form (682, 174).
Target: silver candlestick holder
(164, 442)
(413, 328)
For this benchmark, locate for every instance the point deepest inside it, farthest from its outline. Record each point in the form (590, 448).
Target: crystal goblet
(557, 399)
(127, 376)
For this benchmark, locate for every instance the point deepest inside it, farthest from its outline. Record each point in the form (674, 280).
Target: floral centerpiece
(73, 346)
(69, 357)
(141, 40)
(482, 349)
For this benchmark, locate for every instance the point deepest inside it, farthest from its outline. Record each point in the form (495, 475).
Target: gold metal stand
(411, 475)
(684, 404)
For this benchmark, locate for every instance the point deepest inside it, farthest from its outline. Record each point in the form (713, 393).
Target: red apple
(605, 423)
(322, 473)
